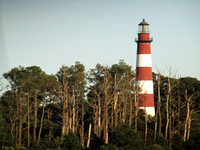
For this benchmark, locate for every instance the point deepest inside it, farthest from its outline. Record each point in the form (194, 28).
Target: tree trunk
(167, 109)
(136, 108)
(99, 117)
(123, 105)
(28, 113)
(170, 118)
(130, 101)
(115, 101)
(77, 111)
(70, 116)
(159, 106)
(82, 124)
(49, 112)
(156, 122)
(17, 119)
(20, 119)
(73, 112)
(65, 113)
(131, 108)
(35, 117)
(63, 119)
(188, 126)
(124, 98)
(145, 134)
(89, 133)
(95, 112)
(179, 106)
(187, 116)
(112, 117)
(41, 121)
(106, 107)
(67, 124)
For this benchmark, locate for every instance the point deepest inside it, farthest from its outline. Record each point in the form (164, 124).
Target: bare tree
(188, 115)
(73, 112)
(146, 127)
(96, 105)
(42, 118)
(35, 115)
(158, 113)
(136, 102)
(28, 117)
(20, 117)
(179, 106)
(130, 103)
(115, 102)
(82, 124)
(106, 102)
(61, 91)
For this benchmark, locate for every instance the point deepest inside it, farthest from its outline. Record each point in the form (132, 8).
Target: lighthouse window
(143, 29)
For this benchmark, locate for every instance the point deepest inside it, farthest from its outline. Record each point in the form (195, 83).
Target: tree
(18, 80)
(160, 140)
(7, 119)
(71, 142)
(126, 138)
(40, 111)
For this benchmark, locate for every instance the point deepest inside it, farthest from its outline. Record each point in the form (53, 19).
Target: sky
(52, 33)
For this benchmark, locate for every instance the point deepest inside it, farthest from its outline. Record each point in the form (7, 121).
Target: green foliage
(7, 148)
(177, 142)
(21, 148)
(7, 107)
(12, 148)
(193, 142)
(125, 137)
(57, 141)
(120, 69)
(155, 147)
(160, 140)
(71, 142)
(109, 147)
(27, 81)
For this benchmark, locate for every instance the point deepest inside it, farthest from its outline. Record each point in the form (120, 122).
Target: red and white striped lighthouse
(144, 69)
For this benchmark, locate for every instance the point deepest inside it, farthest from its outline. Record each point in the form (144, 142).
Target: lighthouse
(144, 69)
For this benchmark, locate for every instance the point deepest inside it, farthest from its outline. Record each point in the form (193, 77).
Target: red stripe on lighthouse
(143, 36)
(144, 73)
(143, 48)
(147, 100)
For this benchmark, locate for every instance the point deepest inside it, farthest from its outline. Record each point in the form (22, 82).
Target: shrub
(109, 147)
(177, 142)
(125, 137)
(21, 148)
(160, 140)
(71, 142)
(154, 147)
(193, 142)
(7, 148)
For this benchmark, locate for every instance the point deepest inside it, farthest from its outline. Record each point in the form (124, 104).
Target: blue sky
(52, 33)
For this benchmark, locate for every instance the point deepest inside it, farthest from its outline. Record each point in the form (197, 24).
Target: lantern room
(143, 27)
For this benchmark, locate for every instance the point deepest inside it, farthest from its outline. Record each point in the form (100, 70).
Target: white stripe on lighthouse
(146, 86)
(149, 110)
(144, 60)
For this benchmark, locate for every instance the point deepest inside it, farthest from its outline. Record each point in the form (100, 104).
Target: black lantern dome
(143, 27)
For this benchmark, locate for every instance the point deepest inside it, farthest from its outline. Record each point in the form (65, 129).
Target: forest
(96, 110)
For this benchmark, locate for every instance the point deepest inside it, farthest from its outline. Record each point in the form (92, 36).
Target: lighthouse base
(149, 110)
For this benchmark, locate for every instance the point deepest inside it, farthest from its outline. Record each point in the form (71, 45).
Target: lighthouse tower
(144, 69)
